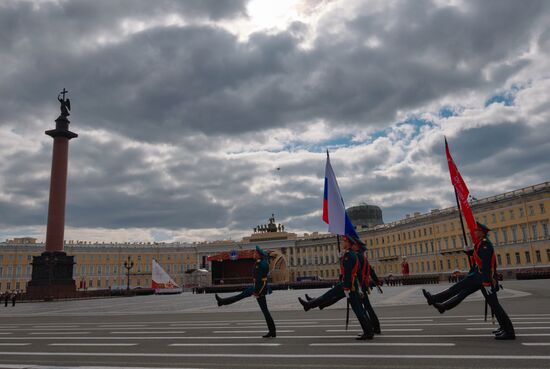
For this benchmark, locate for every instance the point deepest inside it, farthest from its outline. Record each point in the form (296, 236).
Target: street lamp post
(128, 264)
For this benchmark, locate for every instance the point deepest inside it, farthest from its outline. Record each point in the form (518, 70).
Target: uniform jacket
(261, 270)
(348, 269)
(483, 262)
(365, 273)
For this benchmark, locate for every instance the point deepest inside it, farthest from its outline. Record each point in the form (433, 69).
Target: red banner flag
(462, 193)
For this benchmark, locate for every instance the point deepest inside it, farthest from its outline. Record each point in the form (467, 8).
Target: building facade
(430, 243)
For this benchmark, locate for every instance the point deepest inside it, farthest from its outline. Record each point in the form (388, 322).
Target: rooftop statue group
(270, 227)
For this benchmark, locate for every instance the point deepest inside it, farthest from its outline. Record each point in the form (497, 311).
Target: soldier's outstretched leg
(232, 299)
(371, 315)
(456, 299)
(333, 295)
(448, 293)
(268, 319)
(361, 315)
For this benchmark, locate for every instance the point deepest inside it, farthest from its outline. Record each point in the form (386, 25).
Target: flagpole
(462, 224)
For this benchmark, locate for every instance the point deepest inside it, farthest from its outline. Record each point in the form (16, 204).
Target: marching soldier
(482, 276)
(259, 290)
(348, 287)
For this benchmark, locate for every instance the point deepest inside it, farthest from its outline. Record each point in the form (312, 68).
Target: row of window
(462, 263)
(410, 235)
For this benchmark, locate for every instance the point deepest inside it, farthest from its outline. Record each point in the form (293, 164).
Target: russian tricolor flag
(334, 211)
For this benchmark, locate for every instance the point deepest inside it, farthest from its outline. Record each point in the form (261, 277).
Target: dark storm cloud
(201, 89)
(498, 151)
(164, 82)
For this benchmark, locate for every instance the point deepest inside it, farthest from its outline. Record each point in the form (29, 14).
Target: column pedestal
(52, 276)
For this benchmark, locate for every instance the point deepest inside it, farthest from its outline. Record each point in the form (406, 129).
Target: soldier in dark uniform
(482, 276)
(365, 275)
(259, 290)
(348, 287)
(6, 298)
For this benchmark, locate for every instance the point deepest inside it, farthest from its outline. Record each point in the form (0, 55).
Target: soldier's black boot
(364, 336)
(498, 331)
(308, 298)
(218, 299)
(305, 304)
(440, 307)
(270, 335)
(505, 336)
(428, 297)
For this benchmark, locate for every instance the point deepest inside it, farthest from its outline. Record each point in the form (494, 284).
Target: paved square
(190, 331)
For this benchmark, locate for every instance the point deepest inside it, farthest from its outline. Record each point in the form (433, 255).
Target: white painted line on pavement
(457, 335)
(59, 333)
(52, 329)
(200, 327)
(384, 336)
(461, 323)
(122, 325)
(536, 343)
(149, 332)
(5, 333)
(32, 366)
(517, 318)
(223, 344)
(198, 324)
(53, 326)
(428, 344)
(384, 330)
(408, 320)
(253, 321)
(284, 356)
(263, 331)
(128, 330)
(494, 327)
(300, 322)
(92, 344)
(282, 326)
(14, 344)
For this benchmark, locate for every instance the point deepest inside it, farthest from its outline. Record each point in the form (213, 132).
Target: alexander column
(52, 272)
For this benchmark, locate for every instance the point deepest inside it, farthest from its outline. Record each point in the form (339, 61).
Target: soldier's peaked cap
(483, 227)
(359, 242)
(261, 252)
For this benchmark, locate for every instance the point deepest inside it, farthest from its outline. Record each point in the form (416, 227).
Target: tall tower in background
(52, 271)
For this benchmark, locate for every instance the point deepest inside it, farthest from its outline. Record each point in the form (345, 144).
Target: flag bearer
(348, 287)
(259, 290)
(482, 276)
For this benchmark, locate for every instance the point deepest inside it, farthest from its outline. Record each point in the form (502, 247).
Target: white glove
(488, 290)
(346, 292)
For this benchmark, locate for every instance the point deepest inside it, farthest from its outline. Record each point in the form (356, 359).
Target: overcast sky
(185, 110)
